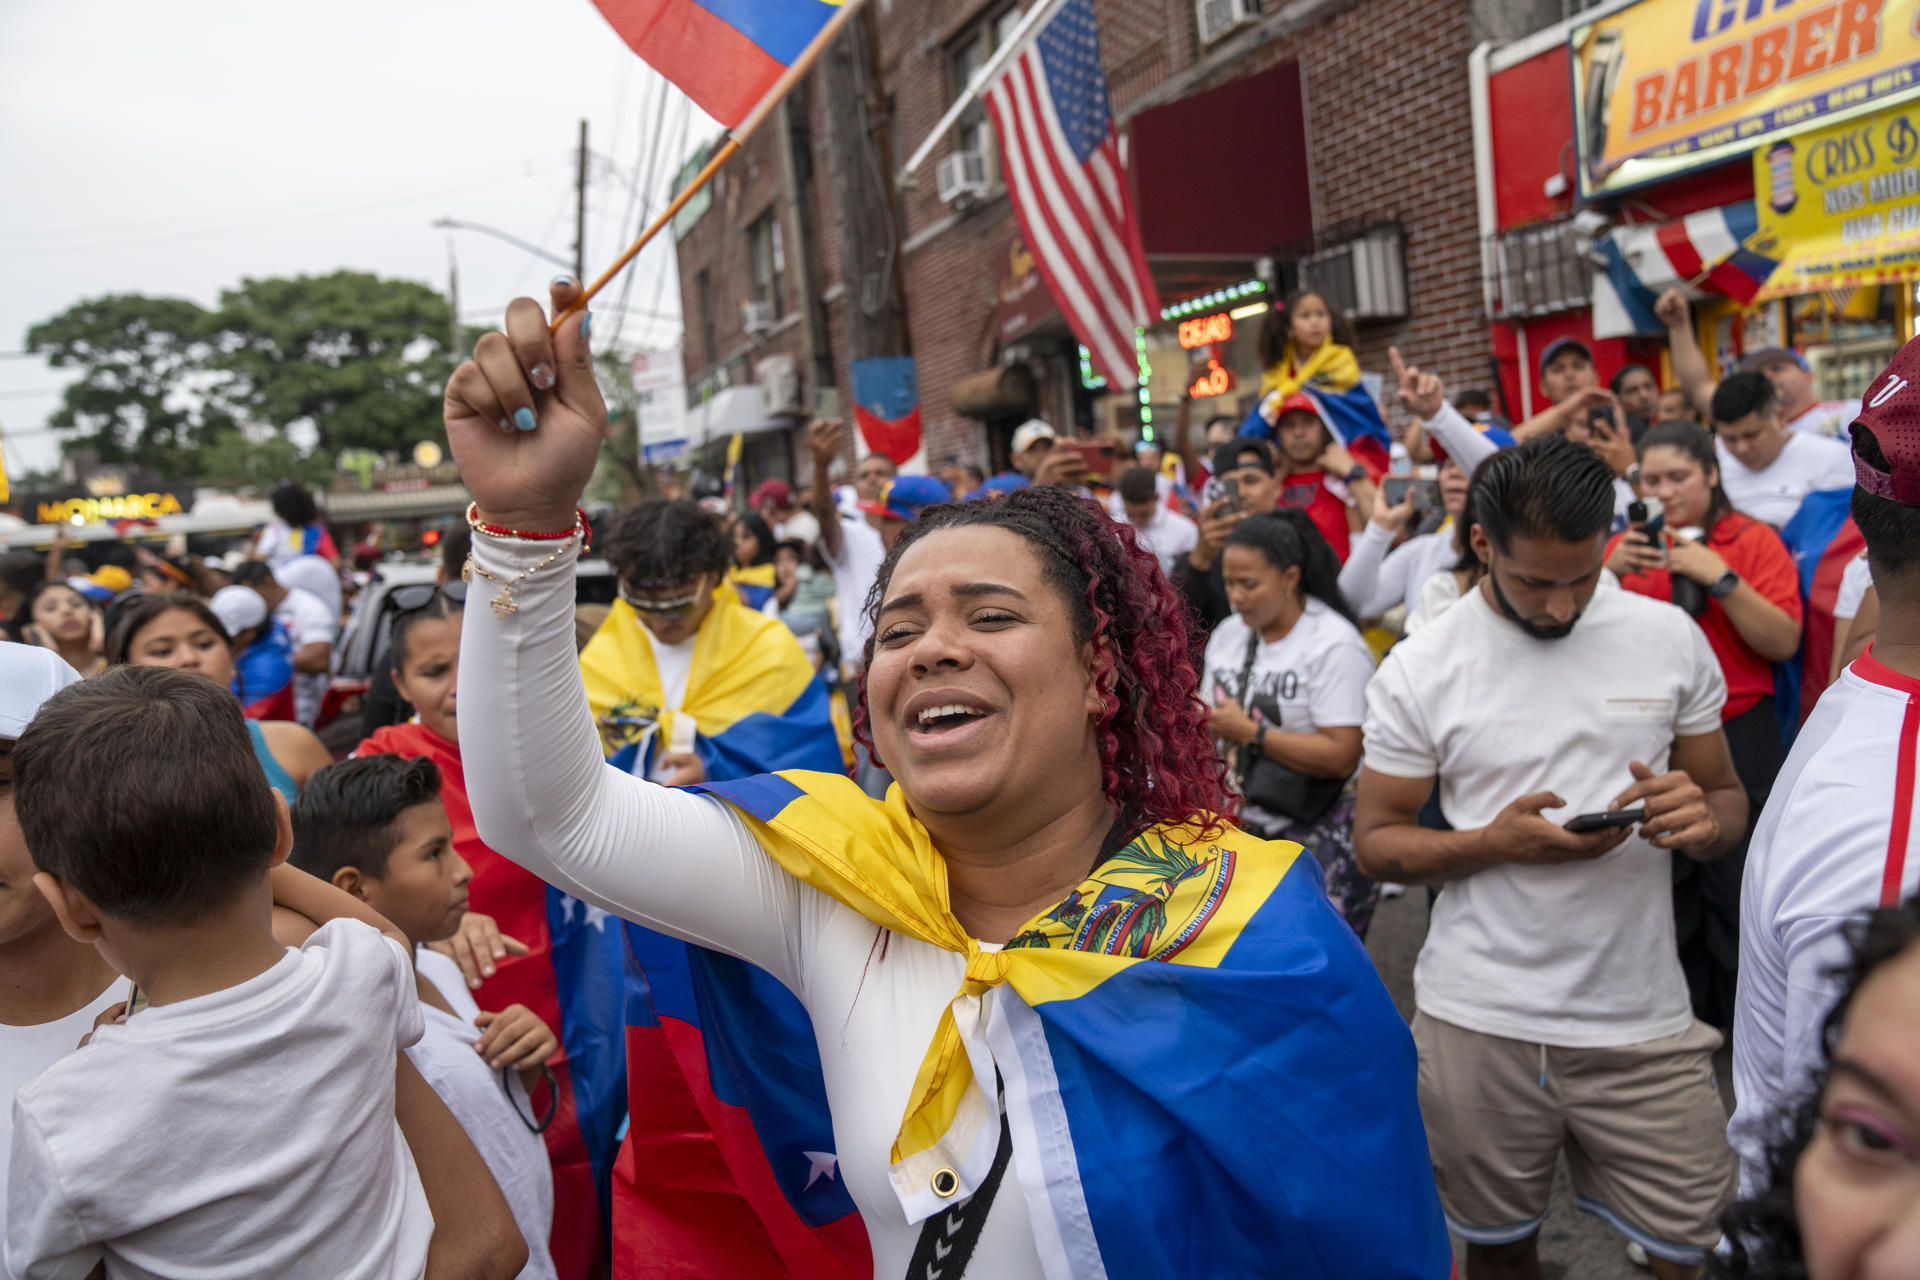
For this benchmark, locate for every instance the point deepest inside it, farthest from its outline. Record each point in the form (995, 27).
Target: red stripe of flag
(714, 63)
(1673, 241)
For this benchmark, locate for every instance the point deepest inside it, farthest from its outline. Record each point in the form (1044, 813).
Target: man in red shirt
(1321, 477)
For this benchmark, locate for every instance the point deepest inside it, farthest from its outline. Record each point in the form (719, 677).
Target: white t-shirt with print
(308, 621)
(1315, 676)
(487, 1107)
(248, 1132)
(1829, 418)
(27, 1051)
(1578, 954)
(1774, 494)
(854, 569)
(1169, 536)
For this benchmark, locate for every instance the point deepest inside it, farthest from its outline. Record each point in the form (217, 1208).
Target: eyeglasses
(535, 1124)
(673, 607)
(411, 599)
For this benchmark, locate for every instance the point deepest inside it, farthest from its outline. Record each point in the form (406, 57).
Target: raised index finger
(1399, 366)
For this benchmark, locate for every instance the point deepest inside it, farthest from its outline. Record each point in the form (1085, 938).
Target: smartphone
(1600, 417)
(1098, 455)
(1611, 818)
(136, 999)
(1426, 493)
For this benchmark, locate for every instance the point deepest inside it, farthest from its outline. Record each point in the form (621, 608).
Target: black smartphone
(1426, 493)
(1611, 818)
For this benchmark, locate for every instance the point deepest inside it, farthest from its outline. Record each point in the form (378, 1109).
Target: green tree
(145, 393)
(231, 461)
(358, 360)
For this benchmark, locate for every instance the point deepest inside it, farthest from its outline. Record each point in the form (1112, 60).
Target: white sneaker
(1388, 889)
(1637, 1255)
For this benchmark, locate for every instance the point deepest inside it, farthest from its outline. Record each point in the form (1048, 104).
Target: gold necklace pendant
(504, 606)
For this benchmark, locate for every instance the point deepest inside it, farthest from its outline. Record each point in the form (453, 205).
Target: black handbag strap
(947, 1240)
(1246, 669)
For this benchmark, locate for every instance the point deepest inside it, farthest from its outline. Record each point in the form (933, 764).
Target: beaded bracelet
(580, 527)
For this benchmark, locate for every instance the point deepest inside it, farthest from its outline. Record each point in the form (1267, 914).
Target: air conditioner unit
(779, 380)
(1216, 18)
(1366, 277)
(756, 317)
(963, 174)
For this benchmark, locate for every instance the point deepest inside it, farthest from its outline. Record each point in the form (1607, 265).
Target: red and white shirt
(1836, 840)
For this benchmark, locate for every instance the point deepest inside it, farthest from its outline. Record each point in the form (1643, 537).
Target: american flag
(1061, 160)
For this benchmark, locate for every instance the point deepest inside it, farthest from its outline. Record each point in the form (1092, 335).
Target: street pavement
(1573, 1245)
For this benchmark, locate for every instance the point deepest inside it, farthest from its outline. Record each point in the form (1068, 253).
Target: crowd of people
(968, 874)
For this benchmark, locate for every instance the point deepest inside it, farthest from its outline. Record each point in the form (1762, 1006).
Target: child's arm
(474, 1235)
(320, 902)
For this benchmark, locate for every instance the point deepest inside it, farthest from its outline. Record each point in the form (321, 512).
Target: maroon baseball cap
(774, 493)
(1890, 414)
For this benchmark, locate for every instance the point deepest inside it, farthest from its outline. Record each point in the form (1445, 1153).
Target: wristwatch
(1724, 585)
(1356, 474)
(1260, 738)
(1633, 474)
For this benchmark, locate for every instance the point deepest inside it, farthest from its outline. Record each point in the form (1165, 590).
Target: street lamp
(497, 234)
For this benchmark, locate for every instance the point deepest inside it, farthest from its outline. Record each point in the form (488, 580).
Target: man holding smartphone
(1551, 1004)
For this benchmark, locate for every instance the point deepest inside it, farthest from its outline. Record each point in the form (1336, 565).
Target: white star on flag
(822, 1166)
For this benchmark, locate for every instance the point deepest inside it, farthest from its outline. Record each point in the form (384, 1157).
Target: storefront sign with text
(1841, 206)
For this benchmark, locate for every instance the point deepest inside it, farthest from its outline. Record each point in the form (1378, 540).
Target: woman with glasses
(1062, 1018)
(182, 632)
(506, 947)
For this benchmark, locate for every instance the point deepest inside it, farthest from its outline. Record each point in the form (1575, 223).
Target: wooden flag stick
(736, 138)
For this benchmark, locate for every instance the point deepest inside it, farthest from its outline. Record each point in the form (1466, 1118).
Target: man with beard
(1552, 1011)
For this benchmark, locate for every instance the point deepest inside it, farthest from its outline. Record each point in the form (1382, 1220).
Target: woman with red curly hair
(1065, 1018)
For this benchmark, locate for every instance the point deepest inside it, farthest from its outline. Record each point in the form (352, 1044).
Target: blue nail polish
(586, 322)
(563, 282)
(523, 419)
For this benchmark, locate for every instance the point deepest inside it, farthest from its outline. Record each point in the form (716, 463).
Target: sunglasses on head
(671, 607)
(411, 599)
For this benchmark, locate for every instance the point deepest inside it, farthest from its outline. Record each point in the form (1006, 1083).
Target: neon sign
(1216, 381)
(1203, 331)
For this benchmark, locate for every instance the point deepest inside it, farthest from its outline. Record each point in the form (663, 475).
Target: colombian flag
(1203, 1073)
(754, 582)
(727, 1168)
(724, 54)
(574, 977)
(1331, 379)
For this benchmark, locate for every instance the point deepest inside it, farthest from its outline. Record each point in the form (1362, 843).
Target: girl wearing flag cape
(1069, 1020)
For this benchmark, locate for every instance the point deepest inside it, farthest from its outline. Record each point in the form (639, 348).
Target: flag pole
(736, 137)
(976, 86)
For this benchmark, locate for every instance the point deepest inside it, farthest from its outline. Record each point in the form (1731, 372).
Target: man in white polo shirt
(1552, 1013)
(1837, 836)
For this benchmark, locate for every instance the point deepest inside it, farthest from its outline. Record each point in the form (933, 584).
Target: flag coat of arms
(718, 1172)
(724, 54)
(1060, 158)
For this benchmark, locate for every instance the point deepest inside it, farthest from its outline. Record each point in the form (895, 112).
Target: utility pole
(858, 136)
(454, 344)
(580, 211)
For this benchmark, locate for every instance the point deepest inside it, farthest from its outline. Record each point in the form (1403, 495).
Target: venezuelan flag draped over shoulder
(1330, 377)
(1822, 538)
(1203, 1074)
(724, 54)
(728, 1165)
(263, 675)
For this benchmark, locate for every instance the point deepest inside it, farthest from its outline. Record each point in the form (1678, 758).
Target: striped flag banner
(1706, 250)
(1061, 160)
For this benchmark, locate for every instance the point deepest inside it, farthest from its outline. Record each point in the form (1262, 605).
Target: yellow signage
(1840, 206)
(130, 506)
(1664, 86)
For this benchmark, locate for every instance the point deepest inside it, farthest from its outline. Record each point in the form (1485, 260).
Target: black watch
(1724, 585)
(1356, 474)
(1259, 743)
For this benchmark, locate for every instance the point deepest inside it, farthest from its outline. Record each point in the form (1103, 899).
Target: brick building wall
(1389, 136)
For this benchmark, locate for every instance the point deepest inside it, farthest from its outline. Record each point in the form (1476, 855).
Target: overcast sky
(174, 148)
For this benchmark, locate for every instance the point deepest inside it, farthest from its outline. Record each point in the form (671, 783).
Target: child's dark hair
(141, 789)
(762, 533)
(345, 814)
(293, 504)
(441, 606)
(1740, 394)
(1288, 537)
(1278, 326)
(666, 540)
(1691, 439)
(1157, 760)
(132, 617)
(1763, 1233)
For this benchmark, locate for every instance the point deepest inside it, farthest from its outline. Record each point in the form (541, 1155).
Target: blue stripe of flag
(782, 28)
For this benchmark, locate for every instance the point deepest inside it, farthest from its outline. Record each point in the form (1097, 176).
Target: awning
(1703, 252)
(732, 411)
(997, 393)
(395, 504)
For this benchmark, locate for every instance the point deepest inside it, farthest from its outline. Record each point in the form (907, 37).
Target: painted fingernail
(523, 419)
(505, 425)
(563, 282)
(542, 376)
(586, 323)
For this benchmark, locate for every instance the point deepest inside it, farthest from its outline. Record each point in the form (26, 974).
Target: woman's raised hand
(525, 417)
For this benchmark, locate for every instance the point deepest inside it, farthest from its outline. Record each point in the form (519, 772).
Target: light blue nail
(523, 419)
(563, 282)
(586, 322)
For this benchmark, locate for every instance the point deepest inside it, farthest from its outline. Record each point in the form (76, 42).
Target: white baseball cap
(238, 608)
(29, 675)
(1030, 433)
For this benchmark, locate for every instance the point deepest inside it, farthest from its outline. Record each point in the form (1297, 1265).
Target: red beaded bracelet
(580, 527)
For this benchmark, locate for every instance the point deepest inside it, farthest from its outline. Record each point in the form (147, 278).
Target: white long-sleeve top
(686, 865)
(1379, 575)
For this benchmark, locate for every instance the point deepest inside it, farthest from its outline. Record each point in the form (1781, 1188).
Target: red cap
(1890, 413)
(1299, 401)
(775, 493)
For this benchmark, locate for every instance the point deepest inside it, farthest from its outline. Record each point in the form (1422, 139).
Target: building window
(703, 296)
(968, 54)
(769, 260)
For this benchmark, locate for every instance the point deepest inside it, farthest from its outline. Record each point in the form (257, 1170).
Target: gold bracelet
(504, 605)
